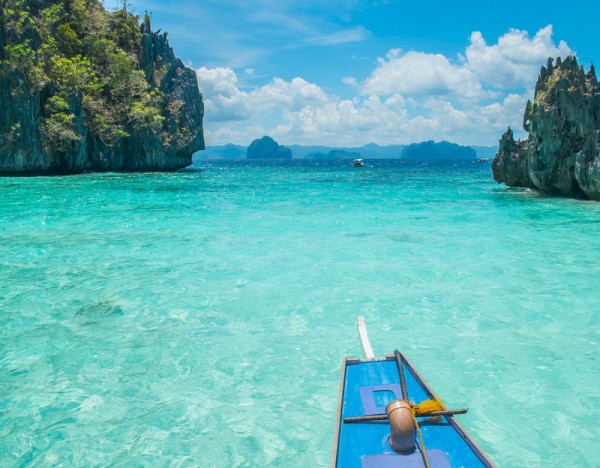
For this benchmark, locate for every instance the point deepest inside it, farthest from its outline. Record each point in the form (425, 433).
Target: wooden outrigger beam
(364, 339)
(383, 417)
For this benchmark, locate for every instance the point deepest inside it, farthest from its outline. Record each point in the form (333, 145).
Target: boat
(379, 425)
(358, 162)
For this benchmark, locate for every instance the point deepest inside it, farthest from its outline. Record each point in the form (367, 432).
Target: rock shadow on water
(99, 311)
(521, 192)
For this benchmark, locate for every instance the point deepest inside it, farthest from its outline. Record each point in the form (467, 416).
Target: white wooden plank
(364, 338)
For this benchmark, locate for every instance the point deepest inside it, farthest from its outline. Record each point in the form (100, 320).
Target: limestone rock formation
(82, 89)
(267, 148)
(561, 156)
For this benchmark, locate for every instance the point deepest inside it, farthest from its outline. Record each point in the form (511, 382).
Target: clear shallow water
(201, 317)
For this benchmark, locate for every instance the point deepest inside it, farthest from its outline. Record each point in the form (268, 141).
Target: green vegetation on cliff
(98, 79)
(80, 48)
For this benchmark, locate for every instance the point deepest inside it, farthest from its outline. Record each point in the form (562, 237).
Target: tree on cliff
(94, 76)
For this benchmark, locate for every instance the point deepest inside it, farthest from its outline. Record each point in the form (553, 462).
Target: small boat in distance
(379, 425)
(358, 162)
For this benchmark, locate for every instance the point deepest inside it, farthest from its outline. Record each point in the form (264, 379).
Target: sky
(352, 72)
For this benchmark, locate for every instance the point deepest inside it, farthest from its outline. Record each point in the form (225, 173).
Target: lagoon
(201, 317)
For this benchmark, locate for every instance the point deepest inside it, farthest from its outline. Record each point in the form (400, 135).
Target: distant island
(424, 150)
(267, 148)
(442, 150)
(561, 156)
(369, 151)
(333, 155)
(84, 89)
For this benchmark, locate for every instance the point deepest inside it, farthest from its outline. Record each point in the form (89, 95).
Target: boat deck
(368, 385)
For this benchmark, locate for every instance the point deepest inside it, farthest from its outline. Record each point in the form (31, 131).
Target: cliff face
(561, 156)
(82, 89)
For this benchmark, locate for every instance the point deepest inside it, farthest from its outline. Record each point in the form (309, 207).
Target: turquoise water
(200, 318)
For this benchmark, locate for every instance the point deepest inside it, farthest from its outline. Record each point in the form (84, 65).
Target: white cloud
(511, 63)
(418, 73)
(408, 97)
(224, 100)
(356, 34)
(292, 95)
(515, 60)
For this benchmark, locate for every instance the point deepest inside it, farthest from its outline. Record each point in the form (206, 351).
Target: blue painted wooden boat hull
(367, 386)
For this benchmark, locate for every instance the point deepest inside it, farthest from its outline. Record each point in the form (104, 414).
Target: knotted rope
(423, 409)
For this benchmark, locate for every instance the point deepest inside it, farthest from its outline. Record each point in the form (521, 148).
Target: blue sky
(351, 72)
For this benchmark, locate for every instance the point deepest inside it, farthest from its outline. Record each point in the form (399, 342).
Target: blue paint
(375, 398)
(436, 458)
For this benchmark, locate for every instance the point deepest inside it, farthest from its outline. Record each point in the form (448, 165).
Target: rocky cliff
(82, 89)
(561, 156)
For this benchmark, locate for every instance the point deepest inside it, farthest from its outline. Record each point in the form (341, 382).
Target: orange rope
(422, 409)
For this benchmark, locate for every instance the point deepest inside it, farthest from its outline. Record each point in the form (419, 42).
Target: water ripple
(193, 318)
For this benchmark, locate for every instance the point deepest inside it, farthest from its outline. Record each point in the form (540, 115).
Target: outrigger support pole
(383, 417)
(398, 355)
